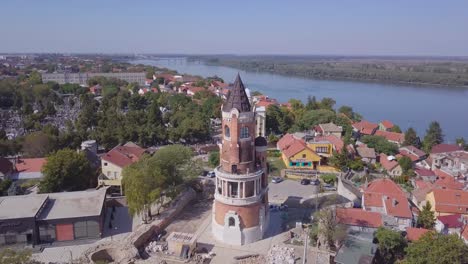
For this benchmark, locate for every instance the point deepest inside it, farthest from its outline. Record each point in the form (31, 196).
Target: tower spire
(237, 97)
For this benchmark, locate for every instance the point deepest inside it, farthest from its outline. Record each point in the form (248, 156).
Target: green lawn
(276, 165)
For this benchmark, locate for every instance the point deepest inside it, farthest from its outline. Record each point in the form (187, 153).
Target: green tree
(38, 144)
(426, 218)
(327, 103)
(154, 179)
(330, 232)
(406, 164)
(436, 248)
(433, 136)
(391, 244)
(312, 103)
(396, 129)
(346, 110)
(462, 143)
(35, 78)
(213, 158)
(339, 160)
(66, 170)
(411, 138)
(380, 144)
(149, 73)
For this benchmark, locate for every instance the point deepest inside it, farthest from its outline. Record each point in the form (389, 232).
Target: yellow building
(448, 202)
(300, 155)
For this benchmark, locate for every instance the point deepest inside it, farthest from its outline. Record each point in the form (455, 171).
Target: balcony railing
(240, 201)
(222, 174)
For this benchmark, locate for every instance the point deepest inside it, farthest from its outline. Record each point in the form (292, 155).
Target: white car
(276, 180)
(211, 174)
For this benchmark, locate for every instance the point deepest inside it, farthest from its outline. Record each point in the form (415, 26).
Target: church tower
(240, 209)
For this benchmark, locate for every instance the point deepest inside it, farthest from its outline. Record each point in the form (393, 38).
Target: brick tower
(240, 209)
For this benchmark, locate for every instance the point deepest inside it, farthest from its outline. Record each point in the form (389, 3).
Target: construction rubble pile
(281, 255)
(154, 247)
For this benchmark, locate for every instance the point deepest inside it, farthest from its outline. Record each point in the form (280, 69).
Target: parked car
(315, 182)
(305, 181)
(329, 187)
(211, 174)
(276, 180)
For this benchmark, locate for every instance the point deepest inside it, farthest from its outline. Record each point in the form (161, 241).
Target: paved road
(280, 192)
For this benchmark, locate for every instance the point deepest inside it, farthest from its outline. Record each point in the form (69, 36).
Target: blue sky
(365, 27)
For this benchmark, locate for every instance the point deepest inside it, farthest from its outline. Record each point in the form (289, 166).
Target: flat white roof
(22, 206)
(73, 204)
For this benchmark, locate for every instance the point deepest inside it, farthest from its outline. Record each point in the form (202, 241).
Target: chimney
(394, 202)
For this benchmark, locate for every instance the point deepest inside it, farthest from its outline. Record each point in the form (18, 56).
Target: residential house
(393, 137)
(358, 219)
(114, 161)
(413, 153)
(328, 129)
(96, 89)
(367, 154)
(192, 90)
(449, 224)
(454, 163)
(28, 168)
(425, 174)
(447, 202)
(365, 127)
(386, 125)
(6, 168)
(386, 197)
(336, 142)
(390, 164)
(297, 154)
(414, 234)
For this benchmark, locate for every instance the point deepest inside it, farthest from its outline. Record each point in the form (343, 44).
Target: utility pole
(306, 238)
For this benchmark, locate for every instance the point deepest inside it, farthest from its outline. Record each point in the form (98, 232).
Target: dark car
(305, 181)
(329, 187)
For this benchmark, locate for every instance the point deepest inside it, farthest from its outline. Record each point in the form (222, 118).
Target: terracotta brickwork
(249, 215)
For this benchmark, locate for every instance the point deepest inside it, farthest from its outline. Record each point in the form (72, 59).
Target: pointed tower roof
(237, 98)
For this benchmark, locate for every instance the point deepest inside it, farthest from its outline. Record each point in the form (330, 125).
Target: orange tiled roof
(124, 155)
(358, 217)
(365, 127)
(413, 233)
(451, 201)
(335, 141)
(391, 136)
(382, 192)
(387, 164)
(30, 165)
(387, 124)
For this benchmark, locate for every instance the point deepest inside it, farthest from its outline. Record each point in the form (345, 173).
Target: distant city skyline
(353, 28)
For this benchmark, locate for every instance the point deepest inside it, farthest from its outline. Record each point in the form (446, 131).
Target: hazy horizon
(326, 28)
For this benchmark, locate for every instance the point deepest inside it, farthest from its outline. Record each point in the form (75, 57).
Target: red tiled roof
(358, 217)
(422, 184)
(382, 192)
(387, 124)
(5, 165)
(295, 148)
(451, 221)
(194, 89)
(123, 156)
(415, 150)
(387, 164)
(335, 141)
(449, 183)
(442, 148)
(365, 127)
(30, 165)
(265, 103)
(285, 141)
(451, 201)
(423, 172)
(413, 233)
(391, 136)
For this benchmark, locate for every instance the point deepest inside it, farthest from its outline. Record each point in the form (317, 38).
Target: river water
(406, 106)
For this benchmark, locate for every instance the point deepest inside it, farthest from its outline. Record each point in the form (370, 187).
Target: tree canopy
(411, 138)
(433, 136)
(426, 218)
(436, 248)
(380, 144)
(66, 170)
(391, 244)
(152, 179)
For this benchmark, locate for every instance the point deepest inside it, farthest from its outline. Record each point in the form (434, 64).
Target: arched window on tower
(227, 131)
(244, 132)
(231, 221)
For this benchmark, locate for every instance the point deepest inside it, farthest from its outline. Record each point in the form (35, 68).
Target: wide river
(414, 106)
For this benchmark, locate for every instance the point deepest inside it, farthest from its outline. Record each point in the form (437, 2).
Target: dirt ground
(190, 220)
